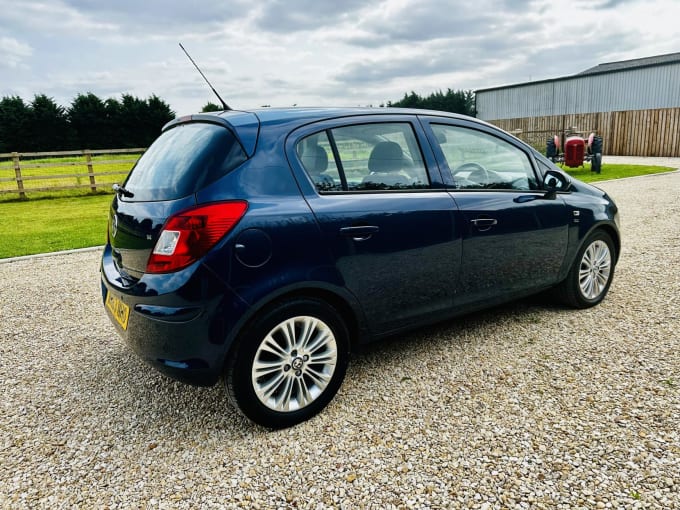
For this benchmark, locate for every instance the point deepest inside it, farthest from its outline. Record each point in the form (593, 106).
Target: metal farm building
(634, 105)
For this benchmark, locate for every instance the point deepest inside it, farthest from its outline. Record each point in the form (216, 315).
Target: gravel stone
(528, 405)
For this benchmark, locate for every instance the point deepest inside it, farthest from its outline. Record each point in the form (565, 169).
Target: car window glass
(183, 160)
(478, 160)
(316, 156)
(381, 156)
(543, 167)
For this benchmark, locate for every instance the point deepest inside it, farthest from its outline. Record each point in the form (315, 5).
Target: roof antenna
(225, 105)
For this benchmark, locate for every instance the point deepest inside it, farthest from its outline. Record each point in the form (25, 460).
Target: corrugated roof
(611, 67)
(632, 64)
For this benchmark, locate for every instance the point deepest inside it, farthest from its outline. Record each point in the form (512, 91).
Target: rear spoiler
(244, 126)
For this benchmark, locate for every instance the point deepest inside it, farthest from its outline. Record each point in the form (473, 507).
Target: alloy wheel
(294, 363)
(595, 269)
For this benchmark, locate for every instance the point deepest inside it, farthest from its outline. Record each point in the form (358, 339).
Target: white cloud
(50, 17)
(319, 52)
(13, 53)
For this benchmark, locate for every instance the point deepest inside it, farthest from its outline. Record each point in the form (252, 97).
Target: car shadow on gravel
(533, 310)
(131, 395)
(128, 393)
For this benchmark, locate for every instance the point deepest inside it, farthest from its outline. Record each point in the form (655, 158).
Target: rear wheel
(591, 274)
(289, 363)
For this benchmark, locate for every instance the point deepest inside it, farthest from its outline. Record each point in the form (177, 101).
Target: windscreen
(183, 160)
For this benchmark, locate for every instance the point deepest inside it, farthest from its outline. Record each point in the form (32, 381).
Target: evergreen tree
(88, 118)
(14, 117)
(211, 107)
(157, 115)
(114, 112)
(458, 101)
(48, 125)
(89, 123)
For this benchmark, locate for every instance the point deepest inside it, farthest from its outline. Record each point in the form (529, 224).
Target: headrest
(315, 159)
(386, 157)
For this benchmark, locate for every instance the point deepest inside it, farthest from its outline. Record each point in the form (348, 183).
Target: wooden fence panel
(51, 174)
(624, 133)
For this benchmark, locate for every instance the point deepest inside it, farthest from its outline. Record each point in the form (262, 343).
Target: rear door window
(364, 157)
(184, 160)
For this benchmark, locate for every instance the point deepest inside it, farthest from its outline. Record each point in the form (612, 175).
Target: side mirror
(554, 181)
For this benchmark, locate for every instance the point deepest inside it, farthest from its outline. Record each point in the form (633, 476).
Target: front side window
(478, 160)
(381, 156)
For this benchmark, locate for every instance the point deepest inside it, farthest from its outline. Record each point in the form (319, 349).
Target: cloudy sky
(314, 52)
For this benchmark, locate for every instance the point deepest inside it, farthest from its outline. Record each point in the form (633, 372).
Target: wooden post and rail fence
(19, 170)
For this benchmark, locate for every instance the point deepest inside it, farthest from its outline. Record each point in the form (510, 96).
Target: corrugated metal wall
(646, 88)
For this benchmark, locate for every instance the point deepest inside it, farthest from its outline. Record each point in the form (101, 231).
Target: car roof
(248, 124)
(310, 114)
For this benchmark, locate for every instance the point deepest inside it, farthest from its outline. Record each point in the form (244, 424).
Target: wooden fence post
(17, 174)
(90, 172)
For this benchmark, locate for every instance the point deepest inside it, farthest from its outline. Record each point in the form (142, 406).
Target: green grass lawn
(44, 225)
(614, 172)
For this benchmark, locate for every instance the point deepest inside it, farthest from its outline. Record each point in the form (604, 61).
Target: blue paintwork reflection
(524, 249)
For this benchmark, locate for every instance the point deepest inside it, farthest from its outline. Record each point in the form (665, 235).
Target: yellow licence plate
(120, 311)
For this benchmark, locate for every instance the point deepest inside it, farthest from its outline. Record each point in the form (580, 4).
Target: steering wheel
(478, 174)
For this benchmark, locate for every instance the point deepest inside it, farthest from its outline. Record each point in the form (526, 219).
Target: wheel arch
(608, 228)
(567, 290)
(613, 233)
(344, 305)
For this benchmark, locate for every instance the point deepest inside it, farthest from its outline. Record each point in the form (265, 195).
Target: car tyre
(550, 149)
(289, 363)
(596, 163)
(591, 274)
(596, 149)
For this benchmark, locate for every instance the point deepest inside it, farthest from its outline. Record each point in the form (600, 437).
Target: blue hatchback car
(261, 246)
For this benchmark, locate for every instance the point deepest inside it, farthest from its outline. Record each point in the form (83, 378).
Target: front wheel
(289, 363)
(591, 274)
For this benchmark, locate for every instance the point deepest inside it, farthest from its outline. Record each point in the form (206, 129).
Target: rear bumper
(179, 324)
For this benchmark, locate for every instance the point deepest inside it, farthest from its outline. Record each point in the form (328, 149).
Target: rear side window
(364, 157)
(184, 160)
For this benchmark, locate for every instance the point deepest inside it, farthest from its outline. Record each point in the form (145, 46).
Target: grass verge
(45, 225)
(614, 172)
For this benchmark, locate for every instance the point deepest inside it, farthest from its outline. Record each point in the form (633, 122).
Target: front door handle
(360, 232)
(484, 224)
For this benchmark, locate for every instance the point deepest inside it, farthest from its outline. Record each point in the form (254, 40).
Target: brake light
(189, 235)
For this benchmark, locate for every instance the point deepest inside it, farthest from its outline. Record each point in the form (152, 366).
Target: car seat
(386, 165)
(315, 161)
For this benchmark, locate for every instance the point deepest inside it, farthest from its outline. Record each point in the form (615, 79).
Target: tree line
(458, 101)
(454, 101)
(90, 122)
(42, 125)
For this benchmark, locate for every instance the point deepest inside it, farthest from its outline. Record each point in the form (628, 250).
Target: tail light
(189, 235)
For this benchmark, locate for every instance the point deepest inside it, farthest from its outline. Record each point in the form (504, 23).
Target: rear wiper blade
(120, 190)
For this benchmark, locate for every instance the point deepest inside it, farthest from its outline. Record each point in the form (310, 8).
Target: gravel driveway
(524, 406)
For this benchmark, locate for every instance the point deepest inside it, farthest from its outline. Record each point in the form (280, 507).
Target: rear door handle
(359, 233)
(484, 224)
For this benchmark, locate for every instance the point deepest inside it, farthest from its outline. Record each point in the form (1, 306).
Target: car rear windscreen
(184, 160)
